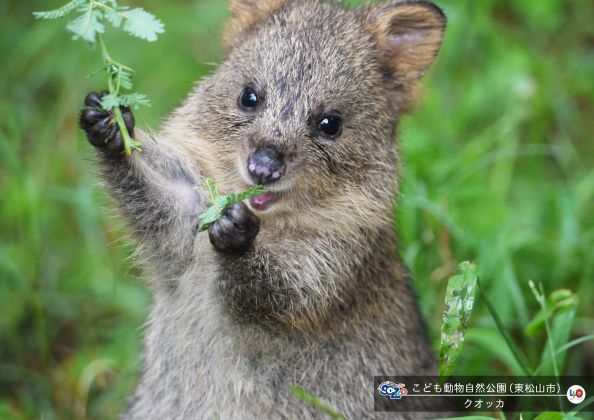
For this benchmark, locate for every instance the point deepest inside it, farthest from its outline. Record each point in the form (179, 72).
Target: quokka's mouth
(264, 201)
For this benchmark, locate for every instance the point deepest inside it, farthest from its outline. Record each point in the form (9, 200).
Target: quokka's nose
(266, 165)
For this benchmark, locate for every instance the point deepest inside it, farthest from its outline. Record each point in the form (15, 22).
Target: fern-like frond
(60, 12)
(134, 100)
(125, 79)
(87, 25)
(114, 18)
(129, 100)
(142, 24)
(108, 102)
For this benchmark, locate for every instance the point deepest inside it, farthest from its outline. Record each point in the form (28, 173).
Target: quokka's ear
(247, 15)
(408, 35)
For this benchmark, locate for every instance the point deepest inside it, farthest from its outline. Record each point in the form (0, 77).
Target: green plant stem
(129, 143)
(542, 301)
(518, 355)
(111, 9)
(551, 348)
(114, 89)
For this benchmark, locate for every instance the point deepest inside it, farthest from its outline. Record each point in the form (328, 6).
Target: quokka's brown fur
(320, 298)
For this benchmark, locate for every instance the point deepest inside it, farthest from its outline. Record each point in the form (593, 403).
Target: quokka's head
(307, 101)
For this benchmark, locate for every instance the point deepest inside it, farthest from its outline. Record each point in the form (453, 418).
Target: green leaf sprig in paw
(90, 25)
(220, 202)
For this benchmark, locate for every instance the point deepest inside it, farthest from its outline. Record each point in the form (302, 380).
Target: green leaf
(120, 75)
(134, 100)
(220, 202)
(538, 322)
(128, 100)
(557, 300)
(251, 192)
(87, 25)
(212, 189)
(459, 301)
(108, 102)
(556, 415)
(211, 215)
(125, 79)
(549, 415)
(142, 24)
(60, 12)
(303, 395)
(114, 18)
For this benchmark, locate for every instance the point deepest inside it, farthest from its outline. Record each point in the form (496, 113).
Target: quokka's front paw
(235, 231)
(101, 127)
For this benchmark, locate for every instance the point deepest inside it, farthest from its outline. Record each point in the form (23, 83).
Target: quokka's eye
(249, 99)
(330, 126)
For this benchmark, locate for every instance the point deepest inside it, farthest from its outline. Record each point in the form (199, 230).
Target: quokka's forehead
(310, 43)
(328, 30)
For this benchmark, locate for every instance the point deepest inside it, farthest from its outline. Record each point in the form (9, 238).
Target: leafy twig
(116, 79)
(89, 26)
(220, 202)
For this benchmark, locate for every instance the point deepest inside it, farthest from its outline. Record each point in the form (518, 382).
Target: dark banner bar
(471, 394)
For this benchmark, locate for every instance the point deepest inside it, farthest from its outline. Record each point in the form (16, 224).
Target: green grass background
(498, 169)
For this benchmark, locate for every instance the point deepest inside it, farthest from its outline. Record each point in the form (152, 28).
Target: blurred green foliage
(498, 169)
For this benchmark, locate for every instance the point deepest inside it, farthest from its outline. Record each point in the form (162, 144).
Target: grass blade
(302, 395)
(574, 343)
(518, 355)
(549, 415)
